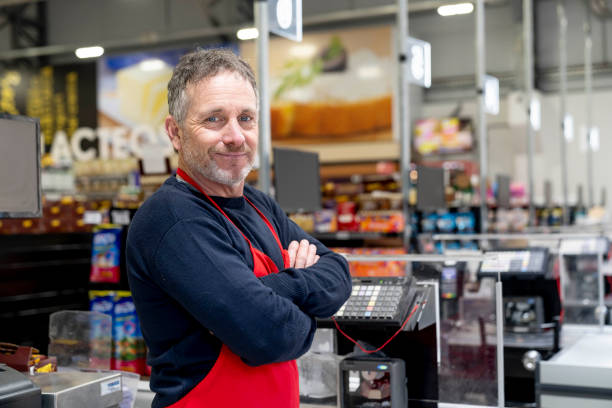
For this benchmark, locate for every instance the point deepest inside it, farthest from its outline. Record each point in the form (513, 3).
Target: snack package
(446, 222)
(102, 301)
(106, 255)
(465, 222)
(130, 351)
(428, 223)
(375, 267)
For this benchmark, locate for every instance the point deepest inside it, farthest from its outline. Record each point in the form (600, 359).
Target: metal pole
(482, 118)
(601, 304)
(261, 22)
(403, 109)
(588, 87)
(563, 102)
(528, 54)
(499, 319)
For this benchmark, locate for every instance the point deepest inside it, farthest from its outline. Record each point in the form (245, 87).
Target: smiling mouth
(231, 154)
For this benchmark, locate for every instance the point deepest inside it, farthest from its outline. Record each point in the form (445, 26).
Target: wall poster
(334, 85)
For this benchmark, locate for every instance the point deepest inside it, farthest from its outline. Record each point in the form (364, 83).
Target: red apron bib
(231, 383)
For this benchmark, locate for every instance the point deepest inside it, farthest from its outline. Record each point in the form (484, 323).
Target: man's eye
(245, 118)
(212, 119)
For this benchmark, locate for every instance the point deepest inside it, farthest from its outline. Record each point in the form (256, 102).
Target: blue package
(446, 222)
(428, 223)
(465, 222)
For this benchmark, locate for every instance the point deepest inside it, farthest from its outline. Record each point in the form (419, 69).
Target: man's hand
(302, 254)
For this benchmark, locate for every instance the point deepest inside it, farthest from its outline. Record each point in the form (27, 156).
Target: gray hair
(197, 66)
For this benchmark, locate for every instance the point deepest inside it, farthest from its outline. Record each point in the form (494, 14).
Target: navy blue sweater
(191, 275)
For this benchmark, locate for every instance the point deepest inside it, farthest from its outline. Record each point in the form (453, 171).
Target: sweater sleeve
(319, 290)
(199, 267)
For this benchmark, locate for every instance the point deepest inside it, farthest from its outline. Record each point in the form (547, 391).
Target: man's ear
(173, 131)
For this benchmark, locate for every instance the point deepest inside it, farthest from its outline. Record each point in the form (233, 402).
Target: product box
(106, 255)
(347, 216)
(129, 351)
(375, 268)
(325, 221)
(128, 347)
(381, 221)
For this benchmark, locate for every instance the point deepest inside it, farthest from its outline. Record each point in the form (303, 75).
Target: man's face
(220, 128)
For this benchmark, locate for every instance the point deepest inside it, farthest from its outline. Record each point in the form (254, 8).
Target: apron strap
(182, 174)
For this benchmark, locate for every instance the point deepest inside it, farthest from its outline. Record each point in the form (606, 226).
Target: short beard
(205, 166)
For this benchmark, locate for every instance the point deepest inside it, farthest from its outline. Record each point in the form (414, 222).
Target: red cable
(562, 313)
(386, 342)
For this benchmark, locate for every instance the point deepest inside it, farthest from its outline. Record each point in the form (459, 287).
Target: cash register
(396, 316)
(531, 306)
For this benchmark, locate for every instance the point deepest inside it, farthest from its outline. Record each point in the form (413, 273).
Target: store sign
(418, 67)
(285, 18)
(118, 142)
(491, 94)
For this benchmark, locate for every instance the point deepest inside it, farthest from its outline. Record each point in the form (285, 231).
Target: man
(225, 285)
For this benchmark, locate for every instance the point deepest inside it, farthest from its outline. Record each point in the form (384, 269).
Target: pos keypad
(375, 299)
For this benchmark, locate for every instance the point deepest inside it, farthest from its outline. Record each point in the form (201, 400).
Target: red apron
(231, 383)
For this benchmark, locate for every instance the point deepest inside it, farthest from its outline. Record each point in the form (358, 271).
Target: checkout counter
(531, 307)
(69, 389)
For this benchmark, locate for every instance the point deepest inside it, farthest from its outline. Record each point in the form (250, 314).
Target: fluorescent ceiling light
(152, 64)
(89, 52)
(247, 33)
(455, 9)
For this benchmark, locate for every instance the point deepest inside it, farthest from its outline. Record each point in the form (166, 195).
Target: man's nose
(232, 134)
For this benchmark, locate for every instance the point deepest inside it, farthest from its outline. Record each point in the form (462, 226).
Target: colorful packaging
(377, 268)
(446, 223)
(347, 216)
(325, 221)
(428, 223)
(102, 301)
(106, 255)
(381, 221)
(465, 222)
(130, 351)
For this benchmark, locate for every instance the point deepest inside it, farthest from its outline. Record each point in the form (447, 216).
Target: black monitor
(20, 194)
(503, 191)
(519, 263)
(297, 180)
(430, 188)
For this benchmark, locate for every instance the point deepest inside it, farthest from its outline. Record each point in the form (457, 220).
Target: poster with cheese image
(132, 88)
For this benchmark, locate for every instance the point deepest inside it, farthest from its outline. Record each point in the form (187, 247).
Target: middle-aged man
(225, 285)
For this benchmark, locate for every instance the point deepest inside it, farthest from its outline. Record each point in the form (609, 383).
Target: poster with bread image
(333, 86)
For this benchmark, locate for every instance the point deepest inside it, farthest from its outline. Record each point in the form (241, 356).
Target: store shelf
(350, 235)
(346, 152)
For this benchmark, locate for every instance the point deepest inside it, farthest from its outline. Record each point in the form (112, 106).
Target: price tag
(120, 217)
(92, 217)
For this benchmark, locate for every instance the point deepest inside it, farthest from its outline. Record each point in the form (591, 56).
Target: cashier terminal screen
(523, 262)
(378, 300)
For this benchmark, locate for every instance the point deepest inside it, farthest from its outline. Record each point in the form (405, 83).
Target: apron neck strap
(182, 174)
